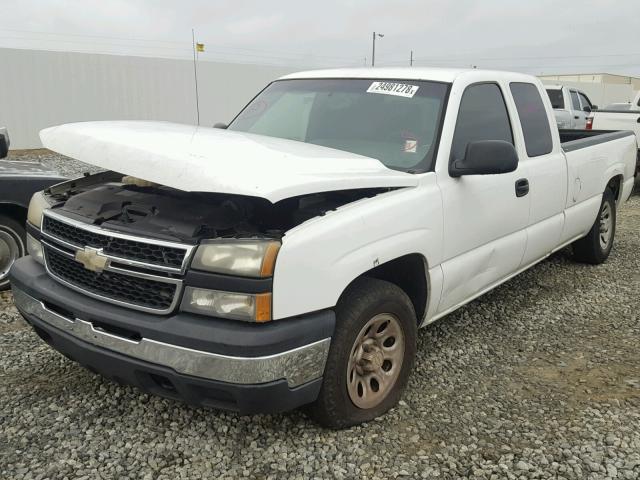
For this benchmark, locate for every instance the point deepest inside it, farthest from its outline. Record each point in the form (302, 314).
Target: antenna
(195, 73)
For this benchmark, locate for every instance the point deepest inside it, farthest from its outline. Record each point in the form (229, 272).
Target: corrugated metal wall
(39, 89)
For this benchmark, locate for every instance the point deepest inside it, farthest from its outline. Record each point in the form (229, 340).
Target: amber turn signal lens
(263, 308)
(269, 260)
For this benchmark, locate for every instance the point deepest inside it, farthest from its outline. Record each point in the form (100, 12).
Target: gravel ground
(538, 379)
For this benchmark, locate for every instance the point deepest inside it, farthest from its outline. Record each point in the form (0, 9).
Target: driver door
(485, 220)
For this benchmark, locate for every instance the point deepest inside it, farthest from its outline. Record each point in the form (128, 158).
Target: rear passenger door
(484, 220)
(546, 172)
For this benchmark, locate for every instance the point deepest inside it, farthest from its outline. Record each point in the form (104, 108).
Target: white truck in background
(571, 107)
(620, 117)
(290, 258)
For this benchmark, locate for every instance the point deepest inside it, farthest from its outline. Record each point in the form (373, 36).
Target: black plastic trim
(227, 283)
(637, 112)
(33, 231)
(594, 139)
(209, 334)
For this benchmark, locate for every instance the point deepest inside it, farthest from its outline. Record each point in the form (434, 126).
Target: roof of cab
(434, 74)
(446, 75)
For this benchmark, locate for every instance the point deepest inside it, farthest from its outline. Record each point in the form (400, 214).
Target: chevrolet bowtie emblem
(92, 259)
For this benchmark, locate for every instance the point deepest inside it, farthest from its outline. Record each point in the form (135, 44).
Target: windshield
(394, 121)
(557, 101)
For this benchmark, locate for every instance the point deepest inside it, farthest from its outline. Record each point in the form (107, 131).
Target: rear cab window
(556, 97)
(482, 116)
(533, 118)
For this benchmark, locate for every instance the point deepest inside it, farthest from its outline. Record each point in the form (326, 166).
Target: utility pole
(195, 73)
(373, 49)
(411, 59)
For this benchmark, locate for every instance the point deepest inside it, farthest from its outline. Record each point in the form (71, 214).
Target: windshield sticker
(410, 145)
(392, 88)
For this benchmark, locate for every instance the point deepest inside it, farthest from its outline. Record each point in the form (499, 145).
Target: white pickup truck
(289, 259)
(571, 107)
(622, 117)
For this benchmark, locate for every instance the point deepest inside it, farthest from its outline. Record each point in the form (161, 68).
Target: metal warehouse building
(39, 89)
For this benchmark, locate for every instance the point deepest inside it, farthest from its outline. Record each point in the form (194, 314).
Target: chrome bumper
(297, 366)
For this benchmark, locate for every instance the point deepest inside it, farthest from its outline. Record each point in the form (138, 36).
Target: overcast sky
(535, 36)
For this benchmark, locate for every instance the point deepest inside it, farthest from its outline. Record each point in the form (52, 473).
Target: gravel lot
(538, 379)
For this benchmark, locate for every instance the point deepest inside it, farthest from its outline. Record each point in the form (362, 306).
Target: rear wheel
(371, 355)
(12, 247)
(596, 246)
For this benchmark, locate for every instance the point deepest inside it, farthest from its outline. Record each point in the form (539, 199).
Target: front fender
(320, 258)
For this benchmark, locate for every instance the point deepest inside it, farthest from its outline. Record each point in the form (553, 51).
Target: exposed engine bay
(120, 203)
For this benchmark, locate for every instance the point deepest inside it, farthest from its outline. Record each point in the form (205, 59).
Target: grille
(119, 247)
(114, 286)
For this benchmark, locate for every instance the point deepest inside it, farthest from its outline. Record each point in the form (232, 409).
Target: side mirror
(594, 107)
(587, 109)
(4, 142)
(221, 125)
(486, 157)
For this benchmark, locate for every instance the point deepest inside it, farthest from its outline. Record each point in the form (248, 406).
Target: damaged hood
(201, 159)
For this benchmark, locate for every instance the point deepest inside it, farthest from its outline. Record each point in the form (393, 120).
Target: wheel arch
(615, 184)
(410, 273)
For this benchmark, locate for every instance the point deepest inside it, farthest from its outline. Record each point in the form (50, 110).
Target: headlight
(246, 258)
(34, 248)
(237, 306)
(38, 204)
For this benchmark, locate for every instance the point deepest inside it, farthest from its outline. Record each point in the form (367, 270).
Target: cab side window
(585, 101)
(533, 118)
(482, 116)
(575, 101)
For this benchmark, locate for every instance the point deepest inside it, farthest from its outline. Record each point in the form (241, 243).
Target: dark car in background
(18, 181)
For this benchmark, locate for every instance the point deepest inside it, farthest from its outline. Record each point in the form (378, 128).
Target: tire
(597, 245)
(367, 302)
(12, 247)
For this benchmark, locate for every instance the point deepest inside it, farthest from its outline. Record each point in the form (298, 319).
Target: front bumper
(212, 362)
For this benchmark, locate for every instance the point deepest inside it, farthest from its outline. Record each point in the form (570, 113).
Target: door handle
(522, 187)
(576, 117)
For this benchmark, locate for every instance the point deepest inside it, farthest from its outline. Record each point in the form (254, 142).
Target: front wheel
(597, 245)
(12, 247)
(371, 355)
